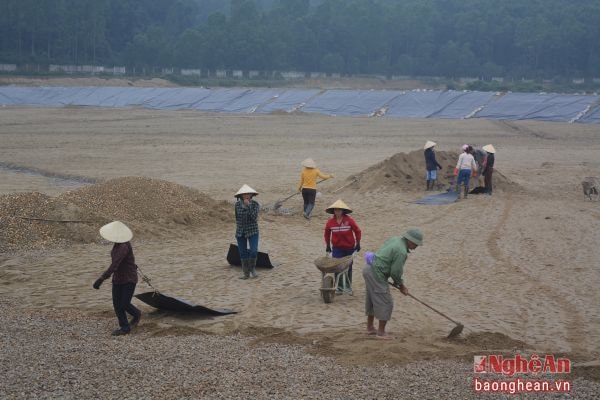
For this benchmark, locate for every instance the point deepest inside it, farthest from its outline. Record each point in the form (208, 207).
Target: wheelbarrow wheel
(328, 291)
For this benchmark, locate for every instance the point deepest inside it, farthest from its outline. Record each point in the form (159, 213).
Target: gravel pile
(31, 221)
(25, 222)
(138, 199)
(63, 354)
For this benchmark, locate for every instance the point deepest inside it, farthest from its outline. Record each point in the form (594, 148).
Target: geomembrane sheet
(390, 103)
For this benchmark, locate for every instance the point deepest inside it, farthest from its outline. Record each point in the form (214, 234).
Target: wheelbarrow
(329, 267)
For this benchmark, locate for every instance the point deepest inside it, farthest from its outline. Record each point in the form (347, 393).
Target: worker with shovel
(387, 262)
(246, 233)
(124, 275)
(308, 184)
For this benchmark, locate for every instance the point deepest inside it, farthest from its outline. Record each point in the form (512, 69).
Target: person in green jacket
(387, 262)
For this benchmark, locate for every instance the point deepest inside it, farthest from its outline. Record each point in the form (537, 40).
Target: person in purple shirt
(124, 275)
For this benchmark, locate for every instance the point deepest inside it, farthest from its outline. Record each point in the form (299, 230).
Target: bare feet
(372, 331)
(385, 336)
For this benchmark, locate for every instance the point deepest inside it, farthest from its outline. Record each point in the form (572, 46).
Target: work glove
(455, 171)
(328, 249)
(357, 248)
(98, 283)
(474, 174)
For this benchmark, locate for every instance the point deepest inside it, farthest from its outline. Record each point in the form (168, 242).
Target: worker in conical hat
(489, 167)
(342, 236)
(124, 275)
(431, 164)
(246, 233)
(308, 184)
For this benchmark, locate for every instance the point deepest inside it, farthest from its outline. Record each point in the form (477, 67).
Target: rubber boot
(245, 269)
(428, 181)
(457, 192)
(433, 184)
(466, 191)
(252, 267)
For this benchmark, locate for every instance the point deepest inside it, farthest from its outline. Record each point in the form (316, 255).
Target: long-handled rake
(277, 205)
(457, 330)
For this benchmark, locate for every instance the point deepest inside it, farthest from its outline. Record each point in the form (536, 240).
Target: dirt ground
(518, 269)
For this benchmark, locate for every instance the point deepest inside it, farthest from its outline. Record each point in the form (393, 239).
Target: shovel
(455, 331)
(279, 203)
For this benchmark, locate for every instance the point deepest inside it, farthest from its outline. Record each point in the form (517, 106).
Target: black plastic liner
(262, 261)
(167, 303)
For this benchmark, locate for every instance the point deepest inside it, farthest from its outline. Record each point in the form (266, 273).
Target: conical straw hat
(338, 204)
(116, 232)
(244, 190)
(429, 144)
(309, 163)
(488, 148)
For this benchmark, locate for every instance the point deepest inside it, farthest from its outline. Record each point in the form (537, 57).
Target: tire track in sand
(536, 298)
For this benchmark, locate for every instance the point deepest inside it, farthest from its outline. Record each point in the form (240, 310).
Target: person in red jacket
(342, 235)
(124, 275)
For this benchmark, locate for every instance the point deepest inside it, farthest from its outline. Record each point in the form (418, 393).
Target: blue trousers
(340, 253)
(121, 296)
(464, 175)
(248, 247)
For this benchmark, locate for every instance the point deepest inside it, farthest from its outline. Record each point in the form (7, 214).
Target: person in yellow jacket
(308, 184)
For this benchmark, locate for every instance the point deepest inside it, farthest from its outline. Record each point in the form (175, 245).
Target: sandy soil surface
(518, 269)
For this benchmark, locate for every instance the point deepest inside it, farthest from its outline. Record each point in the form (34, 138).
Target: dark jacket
(490, 161)
(122, 268)
(489, 164)
(430, 162)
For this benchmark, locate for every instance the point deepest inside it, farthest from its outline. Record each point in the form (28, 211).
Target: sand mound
(149, 206)
(406, 172)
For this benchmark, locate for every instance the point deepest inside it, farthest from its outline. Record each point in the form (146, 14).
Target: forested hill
(511, 38)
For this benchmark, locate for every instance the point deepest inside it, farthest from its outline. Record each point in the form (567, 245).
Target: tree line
(450, 38)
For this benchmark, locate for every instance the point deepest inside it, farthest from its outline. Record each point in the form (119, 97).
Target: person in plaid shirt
(246, 233)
